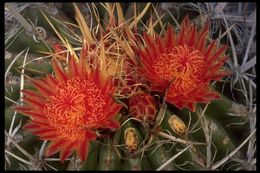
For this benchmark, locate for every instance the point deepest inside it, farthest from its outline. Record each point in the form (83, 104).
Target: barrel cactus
(130, 86)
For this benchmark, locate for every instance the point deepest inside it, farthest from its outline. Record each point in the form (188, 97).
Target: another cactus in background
(133, 88)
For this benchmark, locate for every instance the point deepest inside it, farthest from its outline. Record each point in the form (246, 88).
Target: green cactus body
(108, 159)
(93, 156)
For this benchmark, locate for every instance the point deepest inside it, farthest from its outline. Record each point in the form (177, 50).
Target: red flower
(131, 81)
(68, 107)
(143, 107)
(184, 64)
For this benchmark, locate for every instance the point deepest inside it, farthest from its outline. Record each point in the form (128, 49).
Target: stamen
(75, 104)
(183, 65)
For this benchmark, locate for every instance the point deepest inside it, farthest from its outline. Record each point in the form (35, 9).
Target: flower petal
(34, 101)
(31, 125)
(91, 135)
(42, 87)
(169, 38)
(51, 81)
(73, 68)
(113, 124)
(58, 71)
(54, 147)
(82, 149)
(67, 150)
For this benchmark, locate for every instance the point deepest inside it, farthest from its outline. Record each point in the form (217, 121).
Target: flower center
(181, 64)
(75, 105)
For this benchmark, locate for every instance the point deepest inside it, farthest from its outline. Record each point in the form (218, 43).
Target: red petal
(160, 43)
(202, 41)
(58, 71)
(148, 40)
(31, 125)
(22, 108)
(107, 88)
(193, 36)
(151, 45)
(184, 24)
(90, 135)
(114, 124)
(220, 75)
(49, 136)
(51, 81)
(42, 87)
(205, 95)
(192, 107)
(30, 93)
(155, 49)
(83, 53)
(204, 30)
(83, 68)
(96, 76)
(144, 56)
(73, 68)
(221, 60)
(159, 86)
(212, 94)
(177, 104)
(169, 42)
(217, 66)
(82, 149)
(33, 102)
(54, 147)
(32, 113)
(42, 130)
(35, 114)
(67, 150)
(65, 154)
(147, 64)
(207, 53)
(199, 86)
(186, 21)
(216, 55)
(181, 37)
(113, 110)
(149, 53)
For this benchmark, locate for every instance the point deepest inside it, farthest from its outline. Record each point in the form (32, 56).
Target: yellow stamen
(183, 65)
(75, 104)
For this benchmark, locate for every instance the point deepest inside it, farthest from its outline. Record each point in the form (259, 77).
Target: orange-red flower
(70, 106)
(184, 64)
(143, 107)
